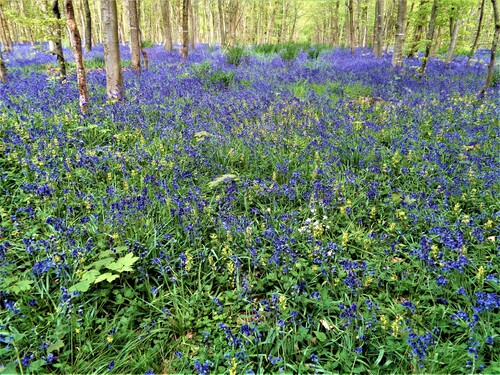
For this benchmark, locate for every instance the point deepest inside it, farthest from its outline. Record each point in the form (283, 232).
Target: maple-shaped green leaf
(55, 346)
(20, 286)
(82, 286)
(101, 263)
(108, 276)
(90, 275)
(123, 263)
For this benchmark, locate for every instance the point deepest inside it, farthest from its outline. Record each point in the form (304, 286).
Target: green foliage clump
(235, 55)
(290, 52)
(147, 44)
(213, 78)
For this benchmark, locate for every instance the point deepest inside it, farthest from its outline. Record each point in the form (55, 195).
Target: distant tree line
(403, 27)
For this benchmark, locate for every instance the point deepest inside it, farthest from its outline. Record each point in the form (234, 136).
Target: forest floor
(321, 214)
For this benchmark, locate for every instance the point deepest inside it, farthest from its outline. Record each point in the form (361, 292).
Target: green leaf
(396, 197)
(219, 180)
(201, 135)
(20, 286)
(106, 254)
(320, 336)
(108, 276)
(124, 263)
(55, 346)
(82, 286)
(121, 249)
(90, 275)
(101, 263)
(10, 369)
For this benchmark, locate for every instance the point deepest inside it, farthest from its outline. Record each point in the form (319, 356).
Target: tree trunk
(135, 45)
(351, 25)
(167, 29)
(335, 23)
(233, 21)
(58, 50)
(7, 41)
(453, 41)
(88, 25)
(192, 25)
(397, 56)
(221, 23)
(3, 69)
(114, 80)
(419, 29)
(76, 42)
(430, 35)
(494, 47)
(185, 31)
(478, 33)
(379, 27)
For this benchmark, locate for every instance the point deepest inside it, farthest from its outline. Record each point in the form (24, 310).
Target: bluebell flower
(111, 366)
(441, 281)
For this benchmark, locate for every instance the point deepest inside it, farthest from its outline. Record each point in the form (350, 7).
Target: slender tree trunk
(233, 21)
(221, 23)
(135, 47)
(7, 41)
(379, 28)
(397, 57)
(478, 33)
(335, 23)
(88, 25)
(167, 28)
(364, 14)
(76, 42)
(185, 31)
(453, 41)
(419, 29)
(58, 44)
(192, 24)
(3, 69)
(351, 25)
(430, 35)
(494, 47)
(294, 23)
(112, 62)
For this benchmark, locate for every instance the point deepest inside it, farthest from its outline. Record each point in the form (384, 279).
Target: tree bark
(221, 23)
(379, 27)
(185, 30)
(478, 33)
(135, 45)
(7, 41)
(430, 35)
(76, 42)
(351, 25)
(453, 41)
(58, 50)
(88, 25)
(397, 56)
(114, 80)
(3, 69)
(192, 25)
(494, 47)
(167, 28)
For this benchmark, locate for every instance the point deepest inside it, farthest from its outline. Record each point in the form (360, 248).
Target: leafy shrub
(290, 52)
(221, 78)
(210, 77)
(313, 53)
(234, 55)
(147, 44)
